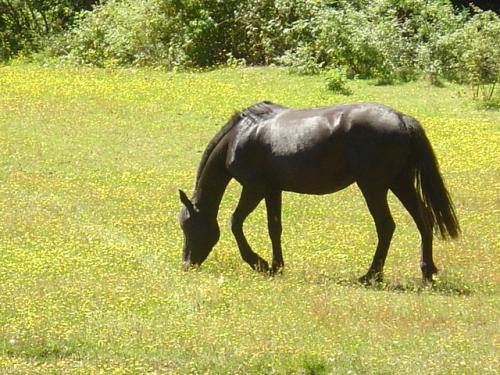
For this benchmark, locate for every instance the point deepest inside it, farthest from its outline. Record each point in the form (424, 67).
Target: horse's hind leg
(409, 197)
(376, 199)
(249, 200)
(273, 206)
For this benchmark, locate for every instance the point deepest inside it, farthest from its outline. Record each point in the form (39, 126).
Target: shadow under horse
(269, 148)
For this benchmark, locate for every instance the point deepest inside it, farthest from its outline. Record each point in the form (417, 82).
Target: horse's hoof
(428, 279)
(371, 278)
(261, 266)
(427, 273)
(187, 266)
(277, 268)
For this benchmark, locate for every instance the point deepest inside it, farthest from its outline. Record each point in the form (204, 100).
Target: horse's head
(200, 232)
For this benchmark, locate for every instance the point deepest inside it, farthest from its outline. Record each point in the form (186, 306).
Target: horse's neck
(211, 185)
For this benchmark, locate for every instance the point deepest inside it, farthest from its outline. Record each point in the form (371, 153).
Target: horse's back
(371, 119)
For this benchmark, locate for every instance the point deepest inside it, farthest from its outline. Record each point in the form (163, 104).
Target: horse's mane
(251, 115)
(260, 111)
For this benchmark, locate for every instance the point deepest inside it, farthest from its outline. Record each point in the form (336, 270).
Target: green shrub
(26, 26)
(265, 30)
(302, 61)
(123, 33)
(432, 30)
(481, 59)
(336, 81)
(386, 39)
(390, 40)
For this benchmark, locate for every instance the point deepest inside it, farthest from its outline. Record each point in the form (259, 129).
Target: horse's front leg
(273, 205)
(249, 200)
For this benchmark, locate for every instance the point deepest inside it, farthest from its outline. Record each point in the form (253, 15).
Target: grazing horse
(269, 148)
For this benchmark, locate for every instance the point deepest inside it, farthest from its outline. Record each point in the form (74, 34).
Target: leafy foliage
(384, 39)
(481, 57)
(25, 26)
(336, 81)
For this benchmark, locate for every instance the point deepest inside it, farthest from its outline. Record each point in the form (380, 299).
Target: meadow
(91, 161)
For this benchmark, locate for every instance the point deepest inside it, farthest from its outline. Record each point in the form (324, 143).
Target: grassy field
(90, 249)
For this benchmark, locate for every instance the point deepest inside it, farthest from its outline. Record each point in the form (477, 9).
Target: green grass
(90, 249)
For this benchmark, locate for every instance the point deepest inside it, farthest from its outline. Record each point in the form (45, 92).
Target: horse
(269, 148)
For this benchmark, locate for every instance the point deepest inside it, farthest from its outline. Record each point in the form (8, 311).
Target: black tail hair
(430, 185)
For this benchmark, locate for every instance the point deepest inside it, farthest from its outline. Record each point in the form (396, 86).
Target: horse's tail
(430, 185)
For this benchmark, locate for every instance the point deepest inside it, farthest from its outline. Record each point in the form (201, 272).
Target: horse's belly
(310, 183)
(310, 174)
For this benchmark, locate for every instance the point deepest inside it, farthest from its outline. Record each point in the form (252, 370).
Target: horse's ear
(185, 201)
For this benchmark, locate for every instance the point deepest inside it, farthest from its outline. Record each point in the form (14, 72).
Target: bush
(301, 60)
(387, 39)
(481, 59)
(123, 33)
(265, 30)
(152, 32)
(391, 40)
(25, 26)
(432, 29)
(336, 81)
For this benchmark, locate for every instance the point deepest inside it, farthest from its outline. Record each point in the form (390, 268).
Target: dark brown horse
(269, 148)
